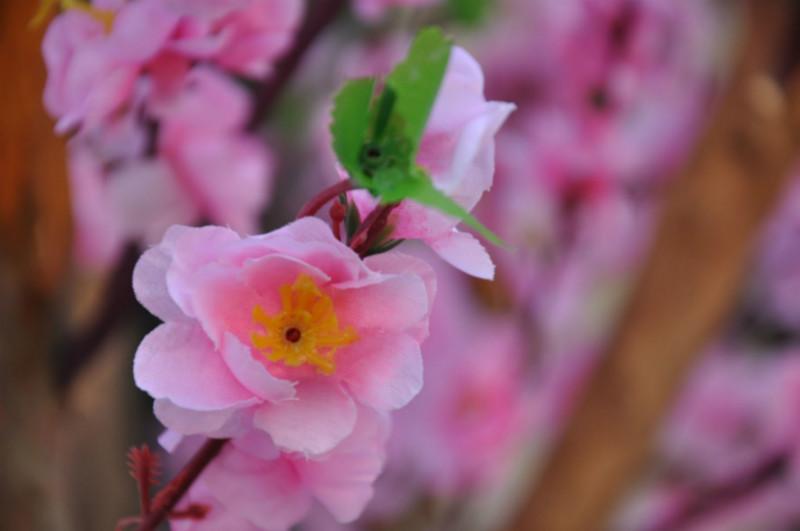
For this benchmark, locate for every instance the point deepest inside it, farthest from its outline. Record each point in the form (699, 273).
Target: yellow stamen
(48, 6)
(306, 331)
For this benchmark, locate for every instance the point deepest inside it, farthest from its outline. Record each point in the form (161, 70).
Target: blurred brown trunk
(34, 229)
(692, 279)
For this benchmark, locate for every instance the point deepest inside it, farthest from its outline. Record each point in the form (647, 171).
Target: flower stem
(319, 200)
(166, 500)
(371, 229)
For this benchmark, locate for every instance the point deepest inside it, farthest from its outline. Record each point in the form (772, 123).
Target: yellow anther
(48, 6)
(305, 332)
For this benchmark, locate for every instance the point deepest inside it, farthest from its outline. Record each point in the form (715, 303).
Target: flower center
(305, 332)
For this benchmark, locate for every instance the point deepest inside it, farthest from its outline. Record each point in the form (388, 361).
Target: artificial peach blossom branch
(166, 500)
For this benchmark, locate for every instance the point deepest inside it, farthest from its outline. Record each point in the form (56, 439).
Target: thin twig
(319, 200)
(166, 500)
(317, 19)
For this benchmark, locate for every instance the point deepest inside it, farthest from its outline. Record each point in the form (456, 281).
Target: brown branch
(166, 500)
(319, 14)
(688, 286)
(77, 351)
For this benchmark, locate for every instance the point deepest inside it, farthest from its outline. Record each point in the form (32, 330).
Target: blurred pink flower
(283, 332)
(777, 276)
(252, 486)
(92, 72)
(469, 421)
(374, 9)
(243, 36)
(205, 167)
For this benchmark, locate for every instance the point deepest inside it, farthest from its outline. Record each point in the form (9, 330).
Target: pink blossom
(374, 9)
(283, 332)
(474, 412)
(253, 486)
(777, 277)
(457, 149)
(206, 167)
(92, 72)
(93, 69)
(225, 171)
(243, 36)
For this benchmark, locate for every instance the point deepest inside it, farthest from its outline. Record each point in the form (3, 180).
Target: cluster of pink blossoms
(296, 348)
(148, 91)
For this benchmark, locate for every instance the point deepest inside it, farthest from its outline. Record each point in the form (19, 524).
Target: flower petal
(252, 374)
(463, 251)
(342, 480)
(150, 285)
(266, 493)
(177, 361)
(382, 371)
(192, 422)
(395, 304)
(321, 416)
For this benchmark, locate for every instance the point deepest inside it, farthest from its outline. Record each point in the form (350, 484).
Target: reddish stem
(337, 214)
(370, 230)
(169, 496)
(319, 200)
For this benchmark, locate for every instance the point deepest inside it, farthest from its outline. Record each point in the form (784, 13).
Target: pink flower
(92, 72)
(244, 36)
(93, 67)
(206, 167)
(467, 424)
(374, 9)
(457, 149)
(223, 170)
(283, 332)
(251, 485)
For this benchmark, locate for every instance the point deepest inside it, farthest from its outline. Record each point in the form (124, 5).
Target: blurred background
(635, 365)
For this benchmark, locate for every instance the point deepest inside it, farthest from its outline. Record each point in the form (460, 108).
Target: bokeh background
(635, 365)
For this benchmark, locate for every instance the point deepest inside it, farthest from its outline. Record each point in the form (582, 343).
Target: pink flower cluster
(158, 120)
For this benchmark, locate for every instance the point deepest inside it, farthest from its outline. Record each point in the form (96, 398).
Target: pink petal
(311, 240)
(191, 422)
(252, 374)
(463, 251)
(396, 303)
(177, 361)
(382, 371)
(150, 285)
(266, 493)
(397, 263)
(342, 480)
(147, 199)
(321, 416)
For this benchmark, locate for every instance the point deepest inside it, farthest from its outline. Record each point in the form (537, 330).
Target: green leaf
(416, 82)
(469, 12)
(351, 120)
(419, 188)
